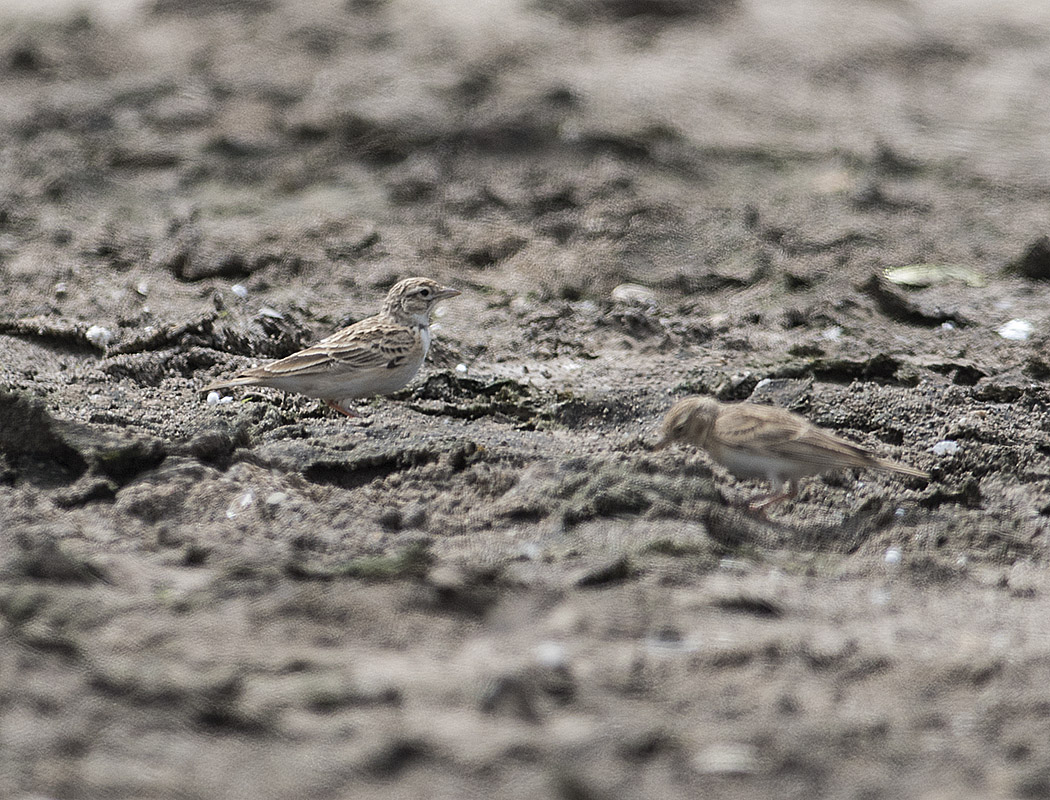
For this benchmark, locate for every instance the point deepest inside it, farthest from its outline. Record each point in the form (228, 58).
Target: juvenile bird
(764, 442)
(377, 355)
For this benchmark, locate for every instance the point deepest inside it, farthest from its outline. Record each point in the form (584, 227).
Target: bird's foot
(759, 505)
(332, 404)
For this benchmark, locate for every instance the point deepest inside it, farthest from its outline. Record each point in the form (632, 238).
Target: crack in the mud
(353, 474)
(469, 398)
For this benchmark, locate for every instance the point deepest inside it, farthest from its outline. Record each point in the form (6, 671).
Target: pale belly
(771, 468)
(335, 386)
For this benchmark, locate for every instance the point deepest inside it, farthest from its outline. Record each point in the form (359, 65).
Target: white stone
(240, 504)
(1017, 330)
(727, 758)
(832, 333)
(633, 293)
(551, 654)
(945, 447)
(99, 336)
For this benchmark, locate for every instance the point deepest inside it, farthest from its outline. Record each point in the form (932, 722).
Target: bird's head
(689, 420)
(412, 299)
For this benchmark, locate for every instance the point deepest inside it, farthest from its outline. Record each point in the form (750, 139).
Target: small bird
(377, 355)
(753, 441)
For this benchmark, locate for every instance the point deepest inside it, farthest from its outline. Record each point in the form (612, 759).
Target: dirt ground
(490, 586)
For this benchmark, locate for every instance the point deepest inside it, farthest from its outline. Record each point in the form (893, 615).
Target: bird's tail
(893, 466)
(227, 384)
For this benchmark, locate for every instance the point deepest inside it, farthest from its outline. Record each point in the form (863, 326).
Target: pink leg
(762, 502)
(336, 407)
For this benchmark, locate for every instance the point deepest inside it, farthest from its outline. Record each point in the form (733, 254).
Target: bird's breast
(424, 338)
(767, 466)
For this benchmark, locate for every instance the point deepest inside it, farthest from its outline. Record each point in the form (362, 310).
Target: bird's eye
(424, 292)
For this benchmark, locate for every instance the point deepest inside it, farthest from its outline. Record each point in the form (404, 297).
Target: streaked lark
(378, 355)
(764, 442)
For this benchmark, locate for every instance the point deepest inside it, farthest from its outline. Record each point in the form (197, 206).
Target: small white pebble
(61, 288)
(832, 334)
(142, 288)
(899, 512)
(893, 555)
(945, 447)
(531, 551)
(226, 401)
(240, 504)
(633, 293)
(732, 564)
(214, 398)
(99, 336)
(240, 290)
(947, 326)
(727, 758)
(518, 303)
(551, 654)
(276, 498)
(1017, 330)
(272, 313)
(461, 369)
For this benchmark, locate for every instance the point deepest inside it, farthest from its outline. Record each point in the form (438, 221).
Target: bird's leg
(332, 404)
(762, 502)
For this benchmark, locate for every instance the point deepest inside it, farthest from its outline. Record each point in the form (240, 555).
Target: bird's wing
(373, 343)
(766, 430)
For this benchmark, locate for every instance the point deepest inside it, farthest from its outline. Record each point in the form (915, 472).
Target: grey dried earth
(490, 586)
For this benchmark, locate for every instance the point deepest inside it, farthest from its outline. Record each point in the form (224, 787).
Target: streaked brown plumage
(377, 355)
(764, 442)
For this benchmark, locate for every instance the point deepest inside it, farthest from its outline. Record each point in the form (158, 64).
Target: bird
(765, 442)
(377, 355)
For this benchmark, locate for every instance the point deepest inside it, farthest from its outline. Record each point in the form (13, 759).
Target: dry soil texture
(491, 587)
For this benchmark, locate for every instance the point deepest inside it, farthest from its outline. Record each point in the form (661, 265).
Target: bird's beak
(445, 292)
